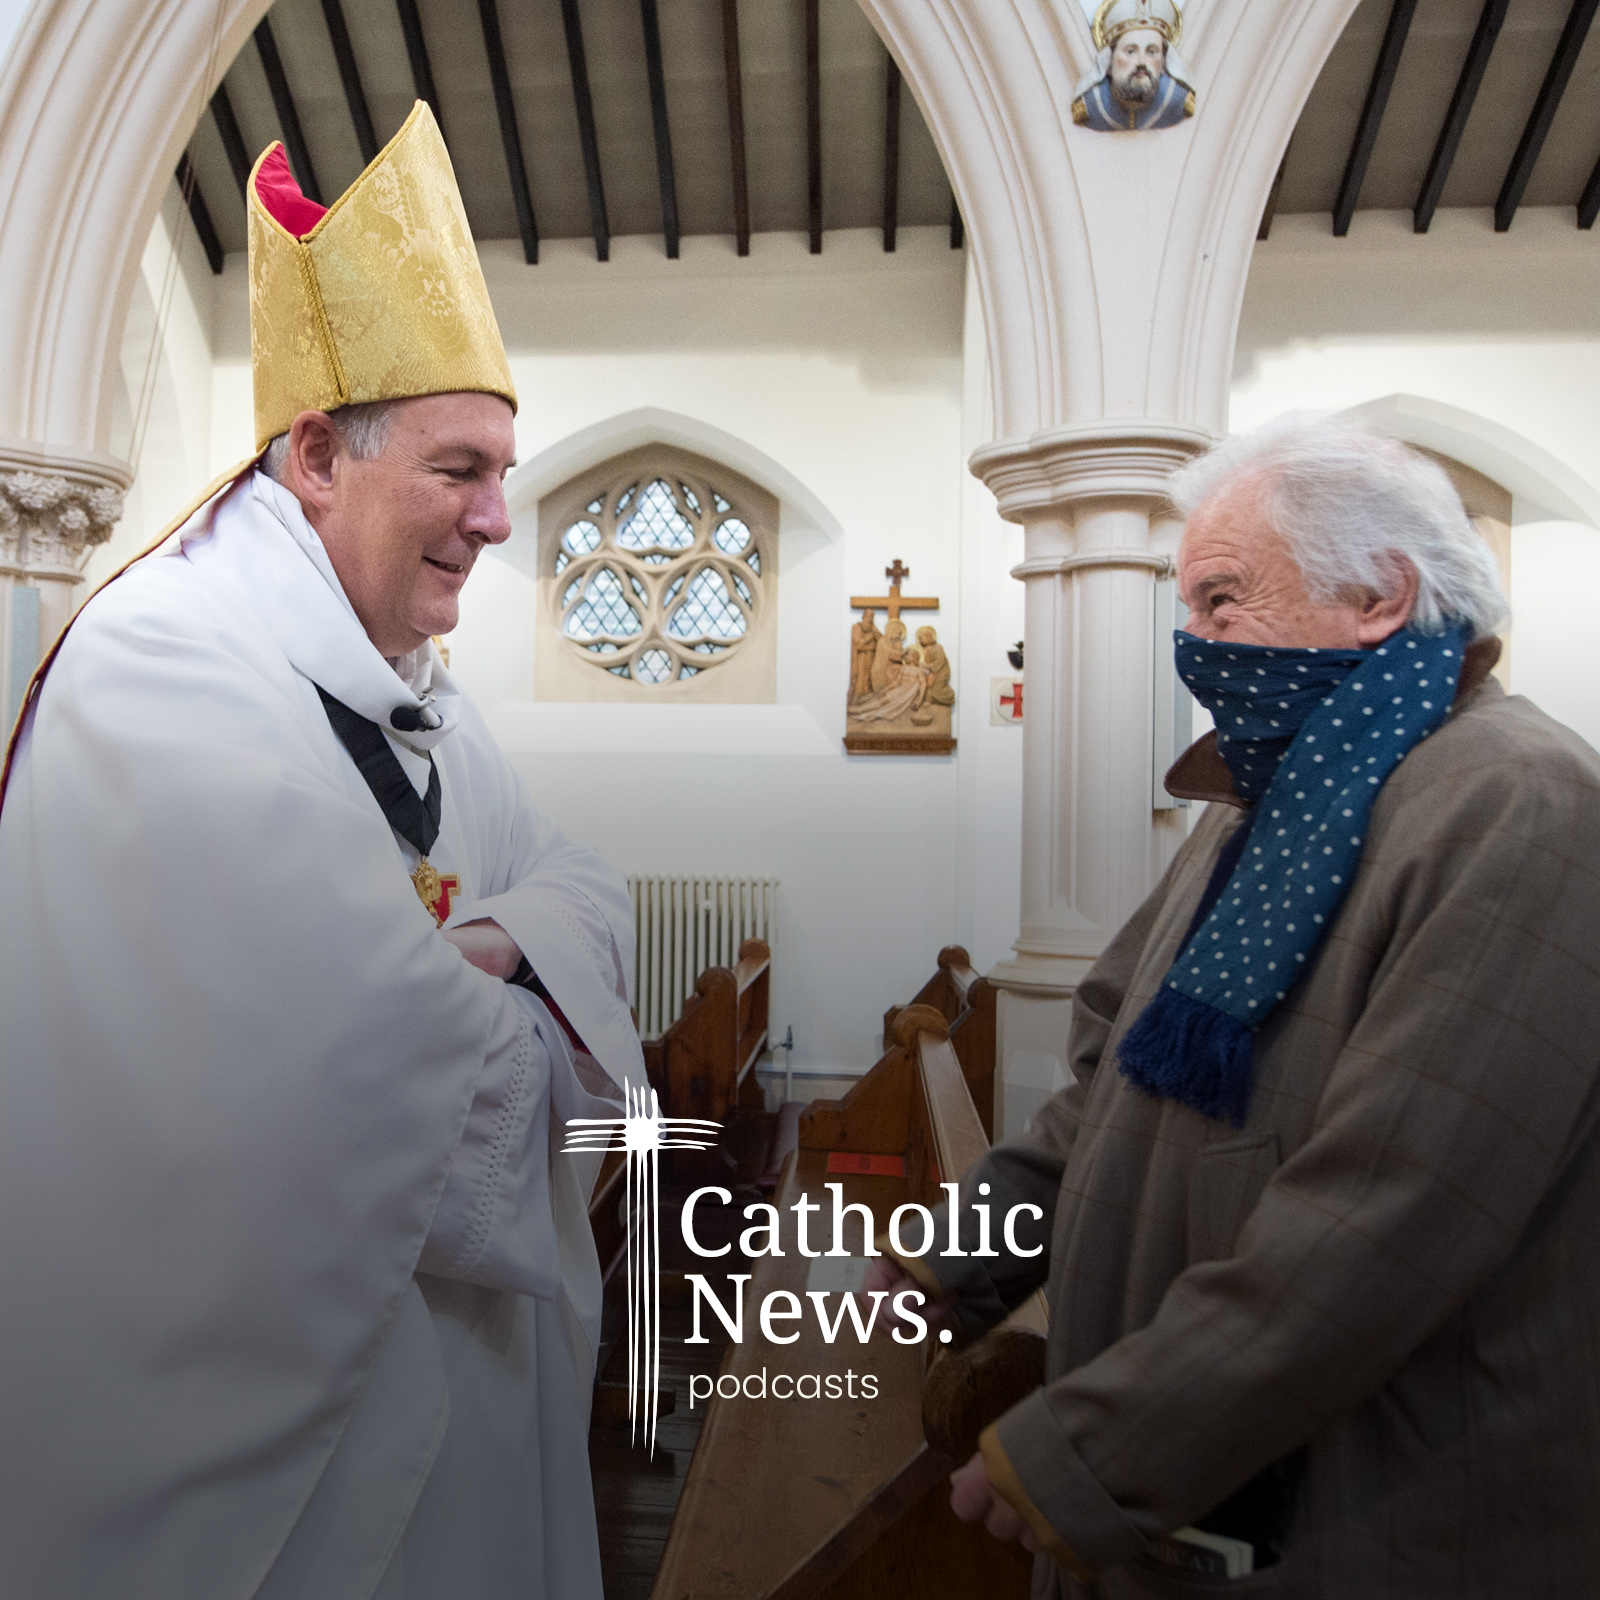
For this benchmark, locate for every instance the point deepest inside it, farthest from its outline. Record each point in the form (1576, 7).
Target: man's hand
(487, 946)
(885, 1273)
(974, 1499)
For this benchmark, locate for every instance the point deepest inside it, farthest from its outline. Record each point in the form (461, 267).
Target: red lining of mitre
(281, 196)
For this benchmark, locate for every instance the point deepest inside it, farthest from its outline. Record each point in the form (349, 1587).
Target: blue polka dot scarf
(1309, 737)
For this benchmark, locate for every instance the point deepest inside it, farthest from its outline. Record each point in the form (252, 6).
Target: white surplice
(298, 1296)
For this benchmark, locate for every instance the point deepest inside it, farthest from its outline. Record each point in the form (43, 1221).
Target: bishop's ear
(314, 447)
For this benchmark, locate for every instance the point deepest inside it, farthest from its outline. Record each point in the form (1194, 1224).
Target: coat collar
(1201, 774)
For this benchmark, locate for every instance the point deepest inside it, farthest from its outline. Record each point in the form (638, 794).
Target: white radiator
(686, 925)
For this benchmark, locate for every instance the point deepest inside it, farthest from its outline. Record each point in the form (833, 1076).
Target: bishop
(300, 989)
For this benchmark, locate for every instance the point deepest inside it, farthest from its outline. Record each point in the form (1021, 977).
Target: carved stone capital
(55, 507)
(1125, 461)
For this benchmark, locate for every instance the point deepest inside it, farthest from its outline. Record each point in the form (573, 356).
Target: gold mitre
(380, 297)
(1117, 17)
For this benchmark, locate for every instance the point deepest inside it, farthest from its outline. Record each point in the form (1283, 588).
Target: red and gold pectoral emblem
(435, 889)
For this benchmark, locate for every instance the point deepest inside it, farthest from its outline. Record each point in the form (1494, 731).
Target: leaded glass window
(661, 570)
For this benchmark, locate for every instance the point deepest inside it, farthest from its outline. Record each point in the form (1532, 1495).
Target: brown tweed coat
(1390, 1277)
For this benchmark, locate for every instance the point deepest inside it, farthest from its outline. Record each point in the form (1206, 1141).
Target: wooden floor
(635, 1494)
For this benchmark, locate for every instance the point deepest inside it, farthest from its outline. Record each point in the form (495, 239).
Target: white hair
(364, 429)
(1348, 501)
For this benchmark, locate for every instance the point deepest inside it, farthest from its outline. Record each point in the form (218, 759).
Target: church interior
(820, 310)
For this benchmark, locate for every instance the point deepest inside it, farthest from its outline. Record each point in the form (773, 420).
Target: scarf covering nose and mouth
(1309, 737)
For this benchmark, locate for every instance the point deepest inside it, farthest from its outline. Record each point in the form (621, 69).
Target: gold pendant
(429, 885)
(435, 889)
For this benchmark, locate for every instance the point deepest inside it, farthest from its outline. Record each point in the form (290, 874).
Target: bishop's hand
(487, 946)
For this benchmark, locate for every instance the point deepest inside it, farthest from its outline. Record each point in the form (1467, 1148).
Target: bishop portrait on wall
(1138, 81)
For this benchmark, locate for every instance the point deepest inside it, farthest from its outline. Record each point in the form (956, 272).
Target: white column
(1085, 498)
(55, 507)
(1091, 842)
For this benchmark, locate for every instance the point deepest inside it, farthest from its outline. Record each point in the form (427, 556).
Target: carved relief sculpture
(1138, 81)
(900, 696)
(864, 637)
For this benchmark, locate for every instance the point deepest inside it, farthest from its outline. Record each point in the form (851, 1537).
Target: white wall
(1496, 340)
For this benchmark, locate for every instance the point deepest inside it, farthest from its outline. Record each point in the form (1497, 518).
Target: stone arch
(97, 100)
(1088, 318)
(528, 483)
(1544, 487)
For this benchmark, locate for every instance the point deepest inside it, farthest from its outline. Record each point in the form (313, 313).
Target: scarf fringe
(1184, 1050)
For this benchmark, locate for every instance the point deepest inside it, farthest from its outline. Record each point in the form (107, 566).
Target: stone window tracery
(659, 570)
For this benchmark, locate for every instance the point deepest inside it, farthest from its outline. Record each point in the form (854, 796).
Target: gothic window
(659, 573)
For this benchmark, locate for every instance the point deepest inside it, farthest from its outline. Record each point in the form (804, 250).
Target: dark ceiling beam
(572, 23)
(421, 66)
(510, 138)
(735, 75)
(814, 125)
(354, 95)
(1377, 102)
(232, 139)
(891, 153)
(1270, 209)
(1455, 122)
(288, 117)
(958, 230)
(1573, 33)
(1589, 204)
(204, 229)
(663, 132)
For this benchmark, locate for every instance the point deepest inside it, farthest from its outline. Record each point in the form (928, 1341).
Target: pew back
(703, 1065)
(970, 1007)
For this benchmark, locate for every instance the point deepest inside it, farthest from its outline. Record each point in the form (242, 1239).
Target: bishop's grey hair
(364, 429)
(1347, 501)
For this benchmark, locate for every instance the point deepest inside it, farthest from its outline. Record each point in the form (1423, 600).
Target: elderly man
(300, 1294)
(1321, 1203)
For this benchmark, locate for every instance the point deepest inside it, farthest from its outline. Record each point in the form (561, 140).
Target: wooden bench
(842, 1499)
(703, 1065)
(970, 1007)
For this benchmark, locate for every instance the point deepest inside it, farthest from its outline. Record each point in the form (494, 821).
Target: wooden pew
(945, 991)
(839, 1499)
(703, 1065)
(970, 1007)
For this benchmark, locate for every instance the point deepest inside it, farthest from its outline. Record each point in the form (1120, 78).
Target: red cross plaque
(1005, 699)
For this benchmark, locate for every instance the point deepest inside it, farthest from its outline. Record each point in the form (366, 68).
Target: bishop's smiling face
(404, 529)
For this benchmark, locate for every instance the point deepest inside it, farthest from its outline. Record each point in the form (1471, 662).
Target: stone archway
(97, 99)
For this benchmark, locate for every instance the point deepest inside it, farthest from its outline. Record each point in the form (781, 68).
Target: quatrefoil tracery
(659, 579)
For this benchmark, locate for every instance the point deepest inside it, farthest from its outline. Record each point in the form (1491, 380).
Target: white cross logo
(643, 1133)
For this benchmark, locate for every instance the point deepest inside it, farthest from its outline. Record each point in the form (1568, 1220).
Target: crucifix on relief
(900, 695)
(875, 657)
